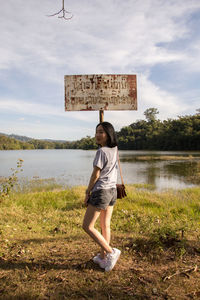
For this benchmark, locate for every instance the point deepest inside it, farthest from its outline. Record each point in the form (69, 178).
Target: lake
(164, 169)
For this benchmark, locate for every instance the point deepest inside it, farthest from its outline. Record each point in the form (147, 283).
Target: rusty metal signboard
(100, 92)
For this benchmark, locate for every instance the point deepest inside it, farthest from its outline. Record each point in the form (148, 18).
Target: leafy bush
(10, 182)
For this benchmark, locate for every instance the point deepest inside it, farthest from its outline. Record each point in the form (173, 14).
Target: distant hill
(17, 137)
(17, 142)
(55, 141)
(28, 139)
(9, 143)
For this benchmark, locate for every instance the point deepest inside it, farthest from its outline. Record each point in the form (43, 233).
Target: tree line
(182, 133)
(9, 143)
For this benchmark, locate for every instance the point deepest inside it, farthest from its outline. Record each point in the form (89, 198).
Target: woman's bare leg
(105, 218)
(91, 215)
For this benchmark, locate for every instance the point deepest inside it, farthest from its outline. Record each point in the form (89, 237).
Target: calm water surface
(73, 167)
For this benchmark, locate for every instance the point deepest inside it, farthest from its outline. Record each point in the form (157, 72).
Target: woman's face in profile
(101, 136)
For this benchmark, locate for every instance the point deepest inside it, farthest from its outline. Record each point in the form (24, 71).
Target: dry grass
(44, 253)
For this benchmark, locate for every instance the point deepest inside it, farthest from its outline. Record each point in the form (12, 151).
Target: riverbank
(45, 254)
(165, 157)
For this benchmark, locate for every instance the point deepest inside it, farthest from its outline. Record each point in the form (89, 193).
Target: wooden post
(101, 116)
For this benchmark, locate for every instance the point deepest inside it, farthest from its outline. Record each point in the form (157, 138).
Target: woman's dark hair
(111, 135)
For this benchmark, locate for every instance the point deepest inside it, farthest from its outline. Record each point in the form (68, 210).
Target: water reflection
(152, 171)
(73, 167)
(184, 170)
(161, 169)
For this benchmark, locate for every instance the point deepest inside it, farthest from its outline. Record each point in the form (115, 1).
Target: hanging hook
(64, 12)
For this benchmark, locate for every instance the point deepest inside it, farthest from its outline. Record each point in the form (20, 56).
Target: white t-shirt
(106, 160)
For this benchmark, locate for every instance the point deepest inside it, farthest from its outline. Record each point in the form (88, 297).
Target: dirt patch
(62, 268)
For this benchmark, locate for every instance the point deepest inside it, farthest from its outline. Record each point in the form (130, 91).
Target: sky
(158, 40)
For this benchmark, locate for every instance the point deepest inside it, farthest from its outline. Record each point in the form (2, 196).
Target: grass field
(44, 253)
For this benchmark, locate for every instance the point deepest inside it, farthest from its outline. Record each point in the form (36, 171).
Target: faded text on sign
(100, 92)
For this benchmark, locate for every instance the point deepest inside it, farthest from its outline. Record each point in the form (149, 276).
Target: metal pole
(101, 116)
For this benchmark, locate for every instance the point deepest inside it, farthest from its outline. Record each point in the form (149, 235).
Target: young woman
(101, 195)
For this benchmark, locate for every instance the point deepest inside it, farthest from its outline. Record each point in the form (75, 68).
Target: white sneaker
(112, 259)
(100, 261)
(96, 258)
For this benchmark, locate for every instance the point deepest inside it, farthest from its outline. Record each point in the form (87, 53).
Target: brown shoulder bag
(121, 192)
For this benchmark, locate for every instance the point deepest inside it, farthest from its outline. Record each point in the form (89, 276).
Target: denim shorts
(103, 198)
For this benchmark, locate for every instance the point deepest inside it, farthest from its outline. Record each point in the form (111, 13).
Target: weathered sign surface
(100, 92)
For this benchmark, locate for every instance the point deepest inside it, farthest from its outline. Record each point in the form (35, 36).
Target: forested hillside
(182, 133)
(7, 143)
(152, 134)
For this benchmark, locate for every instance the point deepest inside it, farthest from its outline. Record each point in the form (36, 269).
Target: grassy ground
(44, 253)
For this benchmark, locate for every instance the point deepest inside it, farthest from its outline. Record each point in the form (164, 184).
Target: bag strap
(120, 170)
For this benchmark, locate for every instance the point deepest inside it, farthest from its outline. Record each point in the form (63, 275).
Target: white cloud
(153, 96)
(149, 95)
(39, 109)
(103, 37)
(192, 61)
(100, 36)
(30, 108)
(43, 130)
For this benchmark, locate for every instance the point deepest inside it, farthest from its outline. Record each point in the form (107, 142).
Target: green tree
(151, 113)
